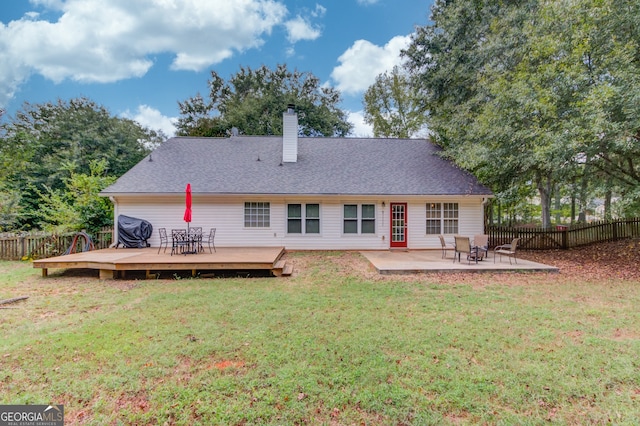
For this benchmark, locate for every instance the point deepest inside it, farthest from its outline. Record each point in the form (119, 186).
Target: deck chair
(195, 238)
(445, 246)
(164, 240)
(482, 242)
(507, 250)
(179, 241)
(209, 241)
(463, 245)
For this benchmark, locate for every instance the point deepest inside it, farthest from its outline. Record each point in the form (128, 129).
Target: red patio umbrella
(187, 211)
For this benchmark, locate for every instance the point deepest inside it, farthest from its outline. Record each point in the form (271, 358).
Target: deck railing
(565, 237)
(39, 244)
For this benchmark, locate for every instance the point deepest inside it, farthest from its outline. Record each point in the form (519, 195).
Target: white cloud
(13, 72)
(319, 11)
(51, 4)
(363, 61)
(153, 119)
(367, 2)
(300, 29)
(98, 41)
(360, 128)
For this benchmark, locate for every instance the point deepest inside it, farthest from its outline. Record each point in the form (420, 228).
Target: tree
(253, 102)
(78, 206)
(533, 92)
(392, 107)
(449, 62)
(9, 210)
(40, 139)
(606, 52)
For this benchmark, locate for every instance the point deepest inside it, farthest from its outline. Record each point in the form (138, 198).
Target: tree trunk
(558, 205)
(582, 196)
(544, 189)
(607, 205)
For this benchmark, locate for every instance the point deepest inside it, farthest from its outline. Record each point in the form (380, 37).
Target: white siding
(226, 214)
(331, 236)
(470, 221)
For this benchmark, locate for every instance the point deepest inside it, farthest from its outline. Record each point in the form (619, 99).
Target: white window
(303, 218)
(359, 219)
(442, 218)
(257, 215)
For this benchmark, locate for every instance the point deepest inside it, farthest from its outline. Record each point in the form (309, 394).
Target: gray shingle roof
(253, 165)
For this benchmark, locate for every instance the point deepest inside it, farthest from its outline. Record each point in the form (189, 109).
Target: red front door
(398, 224)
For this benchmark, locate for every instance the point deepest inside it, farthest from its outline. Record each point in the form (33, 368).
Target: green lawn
(325, 346)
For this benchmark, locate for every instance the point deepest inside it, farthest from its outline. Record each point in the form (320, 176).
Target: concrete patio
(413, 261)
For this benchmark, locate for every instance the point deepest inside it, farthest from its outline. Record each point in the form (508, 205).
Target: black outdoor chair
(195, 237)
(209, 242)
(179, 241)
(164, 240)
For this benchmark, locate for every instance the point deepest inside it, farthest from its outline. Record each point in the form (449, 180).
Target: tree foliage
(392, 107)
(253, 102)
(78, 206)
(534, 92)
(42, 143)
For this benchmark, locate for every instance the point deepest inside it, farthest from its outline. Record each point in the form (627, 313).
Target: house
(305, 193)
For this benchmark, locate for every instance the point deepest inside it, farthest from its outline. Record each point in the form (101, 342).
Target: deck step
(277, 268)
(282, 268)
(287, 270)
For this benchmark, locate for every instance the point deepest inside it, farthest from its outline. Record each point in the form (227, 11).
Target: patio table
(186, 242)
(194, 240)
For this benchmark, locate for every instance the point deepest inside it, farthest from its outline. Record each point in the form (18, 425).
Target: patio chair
(195, 238)
(463, 245)
(507, 250)
(179, 241)
(209, 242)
(481, 241)
(163, 239)
(445, 246)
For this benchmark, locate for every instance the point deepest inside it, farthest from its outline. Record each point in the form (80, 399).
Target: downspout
(114, 242)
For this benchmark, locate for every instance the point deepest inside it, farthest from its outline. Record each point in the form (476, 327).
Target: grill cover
(133, 232)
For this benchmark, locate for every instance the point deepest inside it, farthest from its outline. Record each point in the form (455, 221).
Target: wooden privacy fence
(565, 237)
(39, 245)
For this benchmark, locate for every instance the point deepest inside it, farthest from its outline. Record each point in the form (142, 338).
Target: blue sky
(139, 58)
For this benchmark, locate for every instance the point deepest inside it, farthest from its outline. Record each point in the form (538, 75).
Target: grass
(326, 346)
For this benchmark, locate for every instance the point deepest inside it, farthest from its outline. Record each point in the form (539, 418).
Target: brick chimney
(290, 135)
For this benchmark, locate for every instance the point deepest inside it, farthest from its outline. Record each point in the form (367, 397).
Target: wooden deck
(113, 263)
